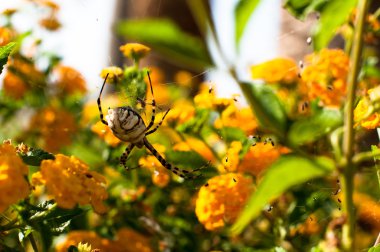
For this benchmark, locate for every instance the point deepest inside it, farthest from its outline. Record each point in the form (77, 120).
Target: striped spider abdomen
(127, 125)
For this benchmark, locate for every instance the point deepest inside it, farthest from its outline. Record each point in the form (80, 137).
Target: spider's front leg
(124, 156)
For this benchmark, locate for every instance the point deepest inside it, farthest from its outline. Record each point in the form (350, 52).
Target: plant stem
(348, 241)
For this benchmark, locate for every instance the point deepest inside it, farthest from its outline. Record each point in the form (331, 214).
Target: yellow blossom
(6, 35)
(13, 185)
(134, 51)
(55, 126)
(14, 86)
(231, 161)
(105, 133)
(114, 73)
(276, 70)
(206, 98)
(362, 112)
(220, 201)
(233, 117)
(182, 111)
(88, 237)
(69, 80)
(324, 76)
(9, 12)
(70, 182)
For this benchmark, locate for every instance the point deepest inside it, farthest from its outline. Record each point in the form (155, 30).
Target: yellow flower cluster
(50, 22)
(70, 182)
(26, 71)
(362, 114)
(105, 133)
(220, 201)
(127, 240)
(276, 70)
(206, 98)
(134, 51)
(55, 127)
(114, 73)
(181, 112)
(232, 116)
(69, 80)
(13, 185)
(325, 75)
(160, 176)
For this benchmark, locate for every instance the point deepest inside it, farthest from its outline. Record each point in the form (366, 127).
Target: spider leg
(158, 125)
(180, 172)
(99, 103)
(124, 156)
(153, 105)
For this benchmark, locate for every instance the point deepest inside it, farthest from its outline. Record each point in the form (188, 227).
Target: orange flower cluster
(69, 80)
(50, 22)
(368, 210)
(22, 75)
(13, 185)
(6, 35)
(70, 182)
(257, 159)
(275, 71)
(55, 127)
(14, 86)
(325, 76)
(127, 240)
(220, 201)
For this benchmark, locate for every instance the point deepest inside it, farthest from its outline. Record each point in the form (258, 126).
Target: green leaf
(4, 53)
(34, 157)
(333, 15)
(314, 127)
(375, 249)
(243, 12)
(286, 172)
(301, 8)
(267, 108)
(167, 38)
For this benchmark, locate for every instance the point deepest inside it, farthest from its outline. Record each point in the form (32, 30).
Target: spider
(127, 125)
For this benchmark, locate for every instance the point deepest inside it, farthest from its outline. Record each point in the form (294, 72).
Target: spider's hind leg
(124, 156)
(180, 172)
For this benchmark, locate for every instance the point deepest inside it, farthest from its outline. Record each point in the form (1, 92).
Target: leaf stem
(348, 241)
